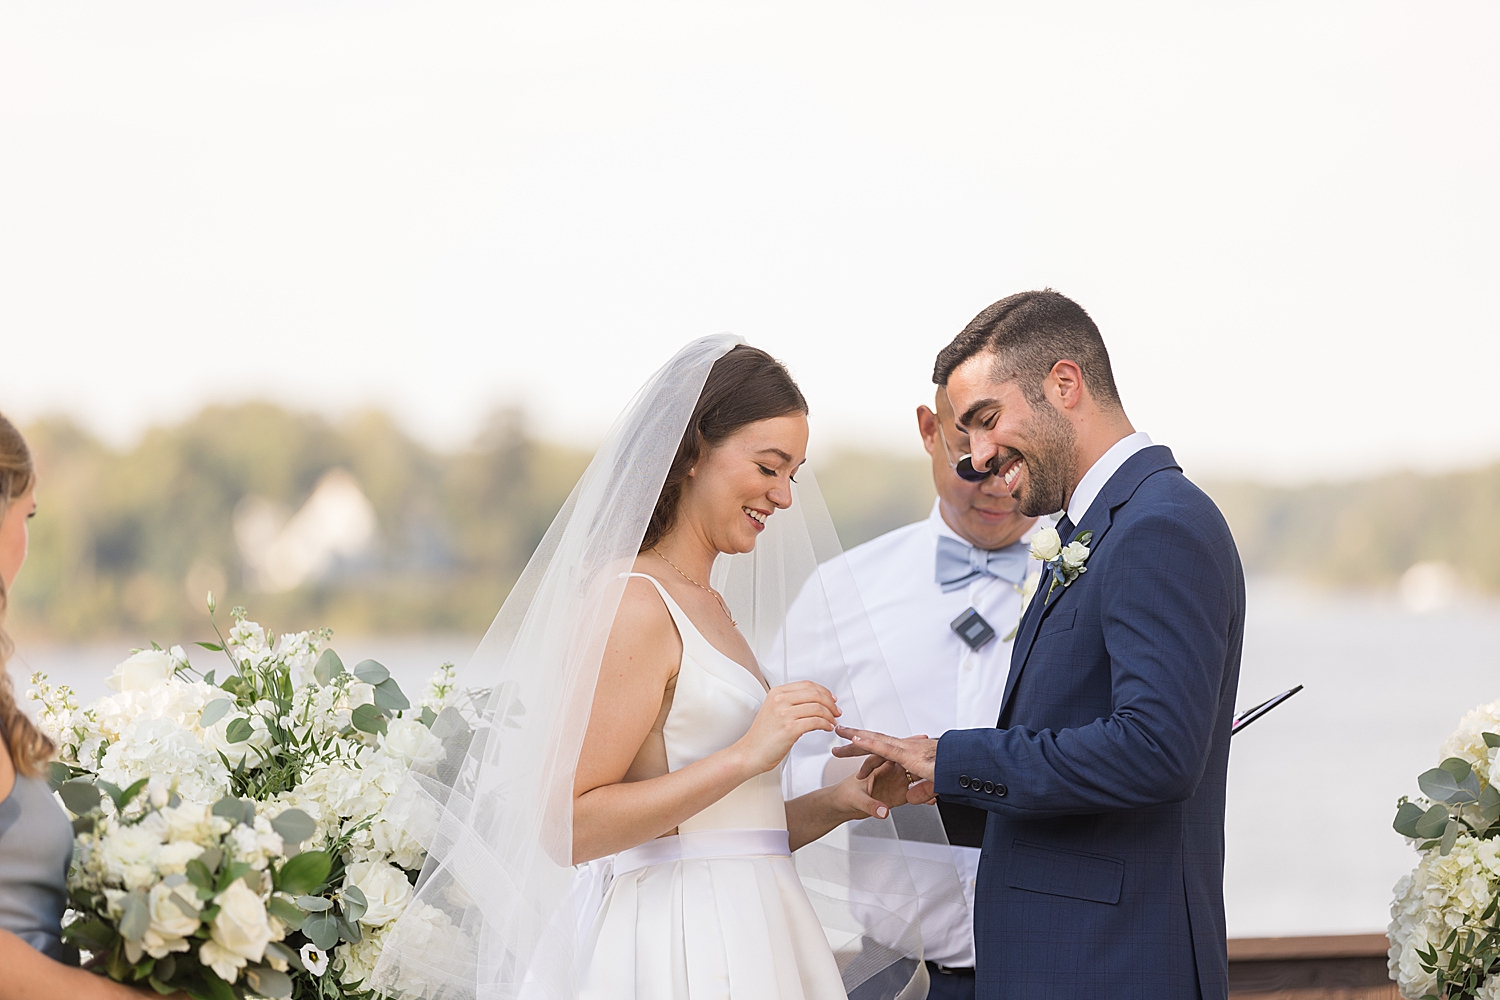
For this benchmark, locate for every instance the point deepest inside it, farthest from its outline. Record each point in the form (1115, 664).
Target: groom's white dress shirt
(939, 683)
(1100, 472)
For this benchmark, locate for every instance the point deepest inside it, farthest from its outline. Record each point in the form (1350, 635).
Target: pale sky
(1285, 217)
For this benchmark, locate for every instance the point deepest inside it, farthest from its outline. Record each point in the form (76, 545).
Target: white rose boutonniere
(1068, 564)
(1046, 545)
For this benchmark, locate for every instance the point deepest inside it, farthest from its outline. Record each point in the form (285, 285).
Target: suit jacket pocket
(1073, 874)
(1059, 622)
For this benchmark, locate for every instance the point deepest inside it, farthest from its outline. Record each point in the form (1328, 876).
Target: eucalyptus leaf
(284, 953)
(239, 730)
(428, 716)
(1440, 785)
(1406, 819)
(268, 982)
(1450, 836)
(349, 930)
(371, 672)
(367, 719)
(1433, 822)
(166, 968)
(85, 824)
(294, 825)
(199, 874)
(57, 774)
(1489, 804)
(314, 904)
(235, 810)
(355, 903)
(80, 796)
(215, 710)
(1492, 740)
(286, 912)
(388, 695)
(329, 666)
(1458, 767)
(211, 858)
(136, 919)
(305, 874)
(322, 929)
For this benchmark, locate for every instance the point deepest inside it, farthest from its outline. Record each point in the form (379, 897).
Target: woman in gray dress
(36, 839)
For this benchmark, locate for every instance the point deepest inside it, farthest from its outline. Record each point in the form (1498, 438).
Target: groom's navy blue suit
(1103, 860)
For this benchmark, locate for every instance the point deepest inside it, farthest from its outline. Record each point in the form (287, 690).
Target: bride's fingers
(922, 793)
(809, 691)
(871, 764)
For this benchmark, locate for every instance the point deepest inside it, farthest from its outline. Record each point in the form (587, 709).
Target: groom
(1101, 872)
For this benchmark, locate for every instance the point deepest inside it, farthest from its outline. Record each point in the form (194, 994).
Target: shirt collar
(1100, 472)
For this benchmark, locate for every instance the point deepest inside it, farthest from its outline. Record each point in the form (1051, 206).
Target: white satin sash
(703, 844)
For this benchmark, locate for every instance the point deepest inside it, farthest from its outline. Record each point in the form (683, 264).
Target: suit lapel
(1098, 519)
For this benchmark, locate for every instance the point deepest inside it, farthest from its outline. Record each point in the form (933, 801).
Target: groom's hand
(917, 754)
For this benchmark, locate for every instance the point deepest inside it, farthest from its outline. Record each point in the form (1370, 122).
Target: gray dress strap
(36, 846)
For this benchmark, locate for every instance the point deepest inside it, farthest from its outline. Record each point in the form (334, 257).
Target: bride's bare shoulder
(643, 626)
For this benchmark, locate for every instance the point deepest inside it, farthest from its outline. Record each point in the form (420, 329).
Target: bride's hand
(874, 791)
(790, 711)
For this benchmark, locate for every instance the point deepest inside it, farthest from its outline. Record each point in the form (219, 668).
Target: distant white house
(282, 552)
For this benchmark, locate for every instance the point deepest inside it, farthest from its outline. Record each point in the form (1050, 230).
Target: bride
(625, 714)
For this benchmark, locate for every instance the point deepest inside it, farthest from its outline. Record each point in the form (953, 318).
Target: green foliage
(1368, 532)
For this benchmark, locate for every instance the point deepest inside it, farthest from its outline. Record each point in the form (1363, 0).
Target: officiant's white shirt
(940, 683)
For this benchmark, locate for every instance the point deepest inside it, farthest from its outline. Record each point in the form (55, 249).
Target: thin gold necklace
(698, 585)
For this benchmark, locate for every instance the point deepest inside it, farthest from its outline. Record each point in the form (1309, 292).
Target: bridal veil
(496, 910)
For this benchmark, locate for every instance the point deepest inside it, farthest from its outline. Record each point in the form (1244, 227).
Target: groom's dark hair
(1029, 333)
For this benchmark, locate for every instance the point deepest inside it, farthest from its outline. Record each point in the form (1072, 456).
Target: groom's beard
(1051, 460)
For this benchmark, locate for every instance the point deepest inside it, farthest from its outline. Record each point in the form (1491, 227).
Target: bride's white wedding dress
(716, 912)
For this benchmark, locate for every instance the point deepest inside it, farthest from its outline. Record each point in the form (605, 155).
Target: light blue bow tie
(958, 562)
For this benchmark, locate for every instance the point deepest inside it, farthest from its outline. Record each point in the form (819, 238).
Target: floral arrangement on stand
(240, 836)
(1445, 918)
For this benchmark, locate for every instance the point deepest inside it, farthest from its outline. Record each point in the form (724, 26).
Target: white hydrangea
(149, 747)
(356, 961)
(424, 930)
(256, 845)
(1441, 895)
(1467, 742)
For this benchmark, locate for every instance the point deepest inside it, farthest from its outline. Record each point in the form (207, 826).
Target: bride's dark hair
(744, 386)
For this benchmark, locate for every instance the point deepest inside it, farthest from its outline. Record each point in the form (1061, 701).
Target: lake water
(1312, 786)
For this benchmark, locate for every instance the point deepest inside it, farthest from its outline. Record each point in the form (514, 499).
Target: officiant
(943, 596)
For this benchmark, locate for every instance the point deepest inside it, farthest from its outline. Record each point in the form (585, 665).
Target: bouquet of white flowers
(241, 837)
(1445, 919)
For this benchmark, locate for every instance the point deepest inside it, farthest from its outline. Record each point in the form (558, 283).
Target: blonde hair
(29, 747)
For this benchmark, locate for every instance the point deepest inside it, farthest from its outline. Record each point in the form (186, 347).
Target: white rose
(241, 930)
(171, 925)
(411, 742)
(1046, 545)
(141, 671)
(1075, 555)
(386, 891)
